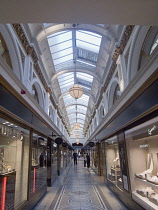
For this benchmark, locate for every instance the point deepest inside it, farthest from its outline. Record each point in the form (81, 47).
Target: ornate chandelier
(76, 91)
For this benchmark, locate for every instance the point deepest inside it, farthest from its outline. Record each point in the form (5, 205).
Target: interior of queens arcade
(79, 105)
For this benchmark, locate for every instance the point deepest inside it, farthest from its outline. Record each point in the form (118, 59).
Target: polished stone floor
(79, 188)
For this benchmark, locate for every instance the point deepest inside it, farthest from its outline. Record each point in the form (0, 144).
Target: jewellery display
(143, 174)
(142, 150)
(4, 169)
(152, 179)
(146, 192)
(154, 199)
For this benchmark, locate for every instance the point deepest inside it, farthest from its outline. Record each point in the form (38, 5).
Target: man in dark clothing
(88, 160)
(75, 157)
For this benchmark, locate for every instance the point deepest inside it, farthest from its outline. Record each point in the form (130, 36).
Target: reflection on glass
(39, 160)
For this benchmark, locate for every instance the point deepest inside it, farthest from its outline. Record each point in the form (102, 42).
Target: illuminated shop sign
(144, 146)
(150, 130)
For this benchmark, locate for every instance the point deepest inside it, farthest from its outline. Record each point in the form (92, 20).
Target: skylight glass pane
(62, 53)
(87, 88)
(70, 107)
(84, 97)
(82, 111)
(72, 116)
(63, 59)
(82, 107)
(66, 76)
(72, 121)
(61, 37)
(80, 121)
(70, 101)
(88, 64)
(61, 46)
(88, 37)
(85, 76)
(67, 82)
(81, 116)
(67, 97)
(56, 34)
(87, 46)
(66, 79)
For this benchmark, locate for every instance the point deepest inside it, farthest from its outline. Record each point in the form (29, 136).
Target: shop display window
(39, 162)
(14, 162)
(142, 149)
(114, 174)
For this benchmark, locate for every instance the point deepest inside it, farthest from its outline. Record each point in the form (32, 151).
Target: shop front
(113, 169)
(142, 149)
(14, 164)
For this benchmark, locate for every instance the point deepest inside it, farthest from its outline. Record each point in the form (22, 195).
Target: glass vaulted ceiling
(76, 50)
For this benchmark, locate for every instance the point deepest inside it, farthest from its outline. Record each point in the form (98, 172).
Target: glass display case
(14, 161)
(114, 173)
(8, 149)
(142, 149)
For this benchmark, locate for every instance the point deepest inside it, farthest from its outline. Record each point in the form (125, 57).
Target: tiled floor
(79, 188)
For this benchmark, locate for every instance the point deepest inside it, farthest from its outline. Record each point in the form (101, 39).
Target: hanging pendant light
(76, 126)
(76, 91)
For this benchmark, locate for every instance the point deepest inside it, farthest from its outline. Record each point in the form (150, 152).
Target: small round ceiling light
(76, 91)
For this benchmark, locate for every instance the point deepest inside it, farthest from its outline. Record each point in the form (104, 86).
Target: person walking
(85, 160)
(75, 155)
(88, 160)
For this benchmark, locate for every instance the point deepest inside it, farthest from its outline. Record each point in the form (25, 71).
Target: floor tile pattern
(79, 188)
(79, 192)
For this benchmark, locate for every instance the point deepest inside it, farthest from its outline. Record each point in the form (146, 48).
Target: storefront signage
(42, 142)
(151, 130)
(147, 131)
(144, 146)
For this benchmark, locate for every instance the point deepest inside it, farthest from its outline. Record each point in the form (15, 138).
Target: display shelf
(114, 182)
(144, 201)
(148, 183)
(8, 173)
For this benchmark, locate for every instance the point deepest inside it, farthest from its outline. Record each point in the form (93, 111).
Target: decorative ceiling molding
(119, 50)
(31, 51)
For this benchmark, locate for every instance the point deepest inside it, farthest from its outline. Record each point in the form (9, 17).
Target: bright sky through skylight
(65, 48)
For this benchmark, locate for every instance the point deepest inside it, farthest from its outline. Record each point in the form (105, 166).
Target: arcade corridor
(79, 188)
